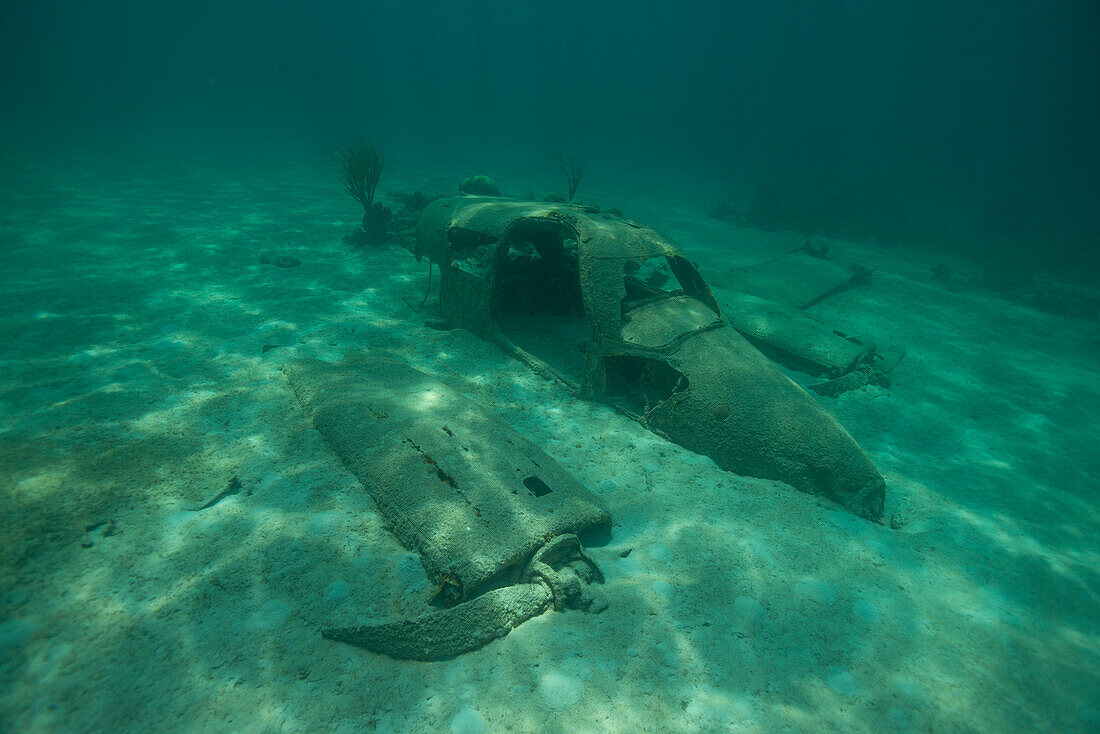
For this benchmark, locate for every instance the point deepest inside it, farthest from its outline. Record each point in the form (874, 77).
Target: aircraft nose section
(720, 397)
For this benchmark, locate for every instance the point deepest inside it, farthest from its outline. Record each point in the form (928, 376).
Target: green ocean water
(173, 230)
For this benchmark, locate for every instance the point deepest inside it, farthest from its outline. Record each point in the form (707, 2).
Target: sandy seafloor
(136, 387)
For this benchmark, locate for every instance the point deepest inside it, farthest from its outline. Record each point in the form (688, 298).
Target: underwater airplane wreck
(620, 315)
(616, 313)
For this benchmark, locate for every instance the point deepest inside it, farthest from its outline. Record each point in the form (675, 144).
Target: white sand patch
(468, 721)
(561, 690)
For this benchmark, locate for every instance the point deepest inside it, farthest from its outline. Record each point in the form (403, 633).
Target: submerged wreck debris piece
(479, 186)
(285, 261)
(798, 279)
(658, 347)
(102, 528)
(234, 487)
(875, 372)
(794, 338)
(767, 310)
(857, 378)
(479, 503)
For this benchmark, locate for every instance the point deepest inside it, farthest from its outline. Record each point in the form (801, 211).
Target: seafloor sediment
(145, 321)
